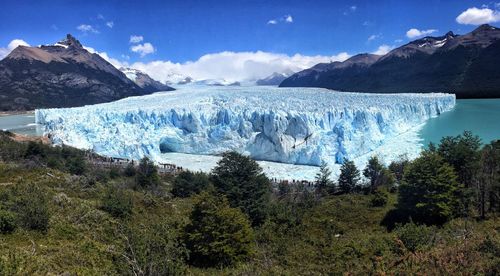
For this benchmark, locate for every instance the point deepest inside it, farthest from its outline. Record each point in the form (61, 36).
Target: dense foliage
(100, 221)
(244, 184)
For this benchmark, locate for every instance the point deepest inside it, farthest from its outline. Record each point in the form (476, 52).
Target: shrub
(415, 237)
(117, 202)
(188, 183)
(32, 208)
(7, 222)
(379, 199)
(129, 171)
(147, 174)
(76, 165)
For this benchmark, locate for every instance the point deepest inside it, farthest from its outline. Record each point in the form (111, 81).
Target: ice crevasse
(289, 125)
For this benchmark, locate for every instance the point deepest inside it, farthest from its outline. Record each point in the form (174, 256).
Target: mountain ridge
(463, 64)
(60, 75)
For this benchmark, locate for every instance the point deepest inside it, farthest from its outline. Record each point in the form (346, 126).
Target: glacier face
(289, 125)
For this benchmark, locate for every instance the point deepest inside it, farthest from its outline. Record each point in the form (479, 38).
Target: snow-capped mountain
(466, 65)
(144, 81)
(60, 75)
(216, 82)
(274, 79)
(176, 78)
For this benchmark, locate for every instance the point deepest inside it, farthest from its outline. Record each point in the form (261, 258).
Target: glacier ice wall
(289, 125)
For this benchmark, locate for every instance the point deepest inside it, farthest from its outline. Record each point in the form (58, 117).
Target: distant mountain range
(467, 65)
(63, 75)
(275, 78)
(144, 81)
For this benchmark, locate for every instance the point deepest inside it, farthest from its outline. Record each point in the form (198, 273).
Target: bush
(147, 174)
(117, 202)
(129, 171)
(188, 183)
(7, 222)
(415, 237)
(32, 208)
(217, 234)
(76, 165)
(379, 199)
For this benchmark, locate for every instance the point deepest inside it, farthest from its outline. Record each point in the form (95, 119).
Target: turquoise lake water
(20, 123)
(482, 117)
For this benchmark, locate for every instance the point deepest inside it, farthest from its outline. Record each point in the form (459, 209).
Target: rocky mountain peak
(70, 41)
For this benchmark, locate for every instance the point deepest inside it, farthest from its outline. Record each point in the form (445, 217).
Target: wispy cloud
(373, 37)
(136, 38)
(285, 19)
(383, 49)
(413, 33)
(4, 51)
(351, 9)
(110, 24)
(476, 16)
(87, 29)
(143, 49)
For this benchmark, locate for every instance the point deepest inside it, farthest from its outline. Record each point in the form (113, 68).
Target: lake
(481, 116)
(20, 123)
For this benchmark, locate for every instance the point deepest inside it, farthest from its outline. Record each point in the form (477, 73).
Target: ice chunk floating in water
(289, 125)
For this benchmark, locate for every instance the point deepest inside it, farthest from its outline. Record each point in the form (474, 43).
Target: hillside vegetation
(438, 214)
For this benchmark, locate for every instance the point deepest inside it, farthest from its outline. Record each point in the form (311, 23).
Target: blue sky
(180, 31)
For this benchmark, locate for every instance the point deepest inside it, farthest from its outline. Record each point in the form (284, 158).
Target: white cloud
(116, 63)
(100, 16)
(475, 16)
(286, 19)
(143, 49)
(87, 29)
(235, 66)
(383, 49)
(136, 38)
(110, 24)
(413, 33)
(398, 40)
(353, 8)
(11, 46)
(373, 37)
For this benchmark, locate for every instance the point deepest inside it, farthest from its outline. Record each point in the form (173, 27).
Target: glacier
(303, 126)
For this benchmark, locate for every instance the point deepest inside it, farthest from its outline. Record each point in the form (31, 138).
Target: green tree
(242, 181)
(147, 174)
(462, 152)
(373, 171)
(397, 167)
(428, 192)
(324, 185)
(217, 235)
(489, 180)
(349, 177)
(188, 183)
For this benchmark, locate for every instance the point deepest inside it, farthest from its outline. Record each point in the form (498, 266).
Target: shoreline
(10, 113)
